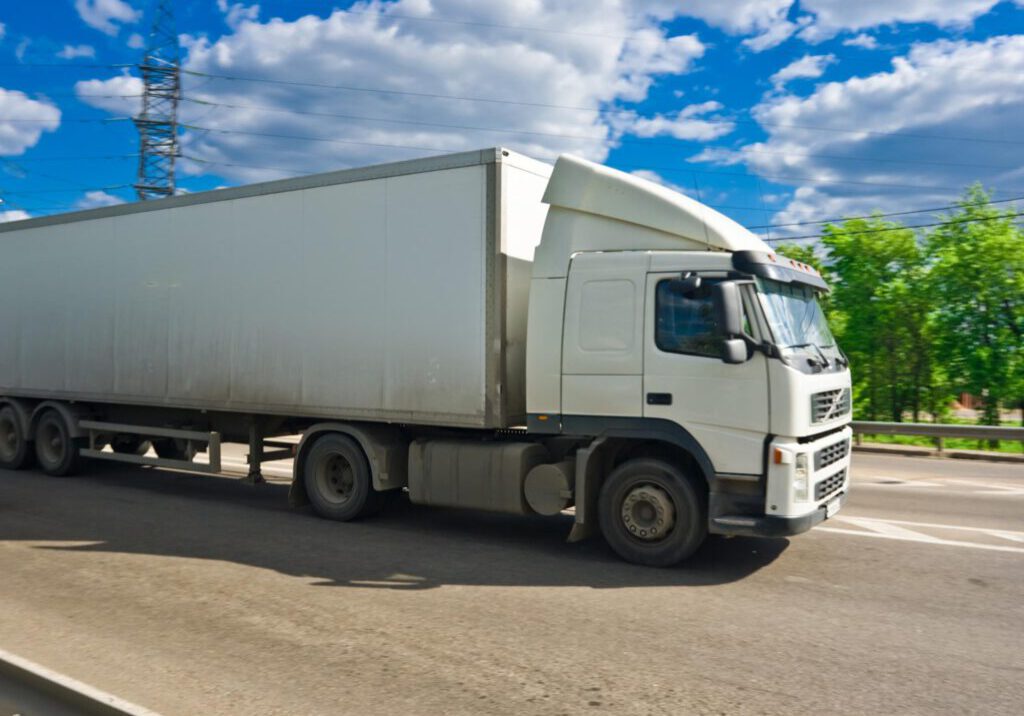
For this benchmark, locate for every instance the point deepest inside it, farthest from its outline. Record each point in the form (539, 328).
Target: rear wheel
(56, 451)
(651, 513)
(15, 451)
(338, 480)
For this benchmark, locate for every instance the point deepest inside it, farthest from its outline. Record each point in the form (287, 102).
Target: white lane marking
(895, 529)
(65, 687)
(944, 542)
(991, 489)
(888, 529)
(1008, 534)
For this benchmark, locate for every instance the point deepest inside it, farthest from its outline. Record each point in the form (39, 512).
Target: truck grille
(829, 485)
(831, 454)
(830, 404)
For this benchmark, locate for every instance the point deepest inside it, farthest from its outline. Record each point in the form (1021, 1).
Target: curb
(62, 688)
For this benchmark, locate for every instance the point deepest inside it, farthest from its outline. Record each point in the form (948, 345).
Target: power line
(878, 215)
(904, 228)
(23, 192)
(780, 178)
(599, 111)
(584, 137)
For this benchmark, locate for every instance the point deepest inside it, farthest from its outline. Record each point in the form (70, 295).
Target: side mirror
(734, 350)
(728, 307)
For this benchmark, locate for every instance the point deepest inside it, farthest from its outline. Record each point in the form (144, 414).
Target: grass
(1006, 446)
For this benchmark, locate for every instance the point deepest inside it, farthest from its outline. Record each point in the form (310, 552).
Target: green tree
(881, 312)
(977, 277)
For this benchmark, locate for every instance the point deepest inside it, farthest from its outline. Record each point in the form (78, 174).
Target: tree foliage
(923, 316)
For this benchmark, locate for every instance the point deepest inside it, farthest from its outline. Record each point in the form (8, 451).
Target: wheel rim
(51, 443)
(9, 438)
(335, 478)
(648, 513)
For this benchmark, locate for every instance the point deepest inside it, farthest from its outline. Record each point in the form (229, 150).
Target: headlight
(801, 478)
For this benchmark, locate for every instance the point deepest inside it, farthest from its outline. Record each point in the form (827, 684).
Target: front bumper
(770, 525)
(767, 506)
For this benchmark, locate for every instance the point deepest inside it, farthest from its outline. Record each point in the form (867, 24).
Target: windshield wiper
(824, 359)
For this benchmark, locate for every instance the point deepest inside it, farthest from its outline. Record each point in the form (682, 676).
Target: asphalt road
(191, 594)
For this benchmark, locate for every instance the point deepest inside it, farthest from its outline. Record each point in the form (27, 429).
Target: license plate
(832, 507)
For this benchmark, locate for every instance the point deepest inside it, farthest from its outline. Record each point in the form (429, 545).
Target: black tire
(15, 450)
(338, 480)
(651, 513)
(172, 449)
(56, 451)
(129, 445)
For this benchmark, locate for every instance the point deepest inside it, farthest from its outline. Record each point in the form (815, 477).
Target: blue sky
(775, 111)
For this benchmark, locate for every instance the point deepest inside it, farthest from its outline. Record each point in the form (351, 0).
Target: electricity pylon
(158, 121)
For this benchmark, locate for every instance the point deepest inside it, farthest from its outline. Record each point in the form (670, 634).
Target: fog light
(801, 479)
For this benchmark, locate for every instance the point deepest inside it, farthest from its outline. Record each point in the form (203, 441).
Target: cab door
(724, 407)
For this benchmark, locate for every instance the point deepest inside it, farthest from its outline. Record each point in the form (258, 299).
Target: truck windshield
(796, 319)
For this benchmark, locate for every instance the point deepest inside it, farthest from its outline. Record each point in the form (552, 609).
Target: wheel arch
(385, 447)
(70, 413)
(619, 440)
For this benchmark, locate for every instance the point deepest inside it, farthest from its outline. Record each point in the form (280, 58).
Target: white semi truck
(480, 330)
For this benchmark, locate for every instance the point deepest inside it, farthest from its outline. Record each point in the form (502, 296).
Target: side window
(686, 324)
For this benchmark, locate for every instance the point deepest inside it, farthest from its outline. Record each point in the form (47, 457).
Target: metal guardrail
(937, 431)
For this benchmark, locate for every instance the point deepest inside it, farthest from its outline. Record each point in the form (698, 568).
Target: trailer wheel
(129, 445)
(56, 451)
(651, 513)
(173, 449)
(338, 480)
(15, 451)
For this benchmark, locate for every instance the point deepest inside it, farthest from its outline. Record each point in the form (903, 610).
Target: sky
(779, 113)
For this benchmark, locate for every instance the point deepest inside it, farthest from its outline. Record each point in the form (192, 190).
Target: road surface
(193, 594)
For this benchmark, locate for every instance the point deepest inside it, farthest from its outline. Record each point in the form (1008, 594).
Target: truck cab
(672, 335)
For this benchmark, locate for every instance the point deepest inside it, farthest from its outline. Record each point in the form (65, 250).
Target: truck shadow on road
(144, 511)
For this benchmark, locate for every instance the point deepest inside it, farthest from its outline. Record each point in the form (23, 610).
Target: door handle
(659, 399)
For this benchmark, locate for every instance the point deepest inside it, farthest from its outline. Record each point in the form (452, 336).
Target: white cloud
(23, 121)
(549, 87)
(237, 13)
(70, 52)
(807, 67)
(14, 215)
(3, 30)
(106, 15)
(119, 95)
(690, 123)
(768, 23)
(834, 16)
(876, 142)
(19, 51)
(95, 199)
(863, 40)
(136, 41)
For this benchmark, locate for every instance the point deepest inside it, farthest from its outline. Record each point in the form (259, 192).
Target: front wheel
(651, 513)
(338, 480)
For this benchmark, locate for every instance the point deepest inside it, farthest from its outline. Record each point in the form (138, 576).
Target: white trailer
(470, 328)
